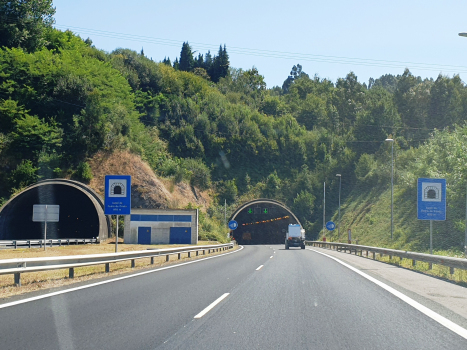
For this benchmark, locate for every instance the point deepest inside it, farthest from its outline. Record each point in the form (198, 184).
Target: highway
(267, 298)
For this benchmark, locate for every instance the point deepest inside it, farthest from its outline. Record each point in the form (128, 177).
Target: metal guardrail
(51, 242)
(19, 266)
(452, 263)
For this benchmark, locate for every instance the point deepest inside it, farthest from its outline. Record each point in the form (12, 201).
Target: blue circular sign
(330, 225)
(233, 224)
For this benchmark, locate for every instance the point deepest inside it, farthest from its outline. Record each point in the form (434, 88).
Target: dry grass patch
(35, 281)
(459, 276)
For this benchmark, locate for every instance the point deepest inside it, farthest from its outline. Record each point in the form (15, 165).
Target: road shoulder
(443, 297)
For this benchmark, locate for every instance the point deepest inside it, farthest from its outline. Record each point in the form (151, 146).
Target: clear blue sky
(329, 38)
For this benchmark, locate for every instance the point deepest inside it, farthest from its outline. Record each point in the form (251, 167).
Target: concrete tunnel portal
(262, 221)
(81, 212)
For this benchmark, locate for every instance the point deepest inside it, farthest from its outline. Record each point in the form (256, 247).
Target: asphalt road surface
(262, 297)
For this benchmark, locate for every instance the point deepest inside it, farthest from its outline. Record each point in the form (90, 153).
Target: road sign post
(117, 198)
(431, 202)
(45, 213)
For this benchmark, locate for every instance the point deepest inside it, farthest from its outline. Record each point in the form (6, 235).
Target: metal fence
(452, 263)
(51, 242)
(19, 266)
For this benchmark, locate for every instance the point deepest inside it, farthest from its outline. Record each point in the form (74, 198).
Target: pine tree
(186, 58)
(199, 62)
(167, 61)
(224, 63)
(220, 65)
(176, 64)
(142, 52)
(208, 62)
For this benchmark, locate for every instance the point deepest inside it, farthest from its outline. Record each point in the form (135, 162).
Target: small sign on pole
(117, 198)
(431, 202)
(45, 213)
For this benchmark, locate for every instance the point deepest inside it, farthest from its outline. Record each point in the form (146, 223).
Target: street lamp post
(339, 217)
(392, 185)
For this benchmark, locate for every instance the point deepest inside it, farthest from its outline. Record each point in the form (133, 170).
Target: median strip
(212, 305)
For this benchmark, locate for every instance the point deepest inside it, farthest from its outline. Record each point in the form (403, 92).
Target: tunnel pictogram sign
(117, 195)
(431, 203)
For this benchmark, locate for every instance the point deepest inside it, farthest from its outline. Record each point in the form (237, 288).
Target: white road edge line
(211, 306)
(428, 312)
(2, 306)
(259, 268)
(270, 257)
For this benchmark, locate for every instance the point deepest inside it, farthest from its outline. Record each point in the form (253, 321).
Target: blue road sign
(330, 225)
(431, 203)
(117, 195)
(233, 224)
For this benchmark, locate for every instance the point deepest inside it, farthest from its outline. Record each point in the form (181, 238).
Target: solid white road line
(259, 268)
(428, 312)
(270, 257)
(2, 306)
(211, 306)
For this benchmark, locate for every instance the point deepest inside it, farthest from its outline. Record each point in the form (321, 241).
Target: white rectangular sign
(45, 212)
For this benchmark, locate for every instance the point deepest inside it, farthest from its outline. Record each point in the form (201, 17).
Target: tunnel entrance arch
(81, 212)
(262, 221)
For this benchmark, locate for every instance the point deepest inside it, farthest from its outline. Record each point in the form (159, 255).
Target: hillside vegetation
(201, 122)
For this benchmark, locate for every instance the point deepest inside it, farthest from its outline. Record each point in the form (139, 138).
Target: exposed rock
(147, 190)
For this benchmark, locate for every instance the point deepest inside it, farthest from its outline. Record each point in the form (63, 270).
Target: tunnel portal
(81, 212)
(262, 221)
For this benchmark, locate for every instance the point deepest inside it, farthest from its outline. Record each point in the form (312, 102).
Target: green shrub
(84, 172)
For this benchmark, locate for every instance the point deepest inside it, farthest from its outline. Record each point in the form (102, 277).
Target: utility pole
(324, 210)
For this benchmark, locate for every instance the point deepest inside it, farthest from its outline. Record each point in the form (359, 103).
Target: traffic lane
(303, 300)
(135, 313)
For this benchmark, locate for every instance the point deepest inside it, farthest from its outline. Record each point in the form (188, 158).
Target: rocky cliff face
(147, 190)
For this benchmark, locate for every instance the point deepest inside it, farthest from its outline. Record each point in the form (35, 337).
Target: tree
(24, 23)
(176, 64)
(186, 58)
(220, 65)
(167, 62)
(295, 73)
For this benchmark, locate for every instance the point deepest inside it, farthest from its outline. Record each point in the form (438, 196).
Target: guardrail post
(209, 251)
(179, 255)
(197, 252)
(29, 243)
(430, 266)
(59, 242)
(68, 242)
(71, 272)
(204, 252)
(18, 279)
(414, 262)
(167, 257)
(451, 270)
(15, 244)
(107, 268)
(132, 263)
(40, 242)
(50, 243)
(152, 260)
(189, 254)
(374, 255)
(390, 257)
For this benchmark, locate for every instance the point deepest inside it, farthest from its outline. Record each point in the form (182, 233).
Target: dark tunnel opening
(264, 223)
(78, 216)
